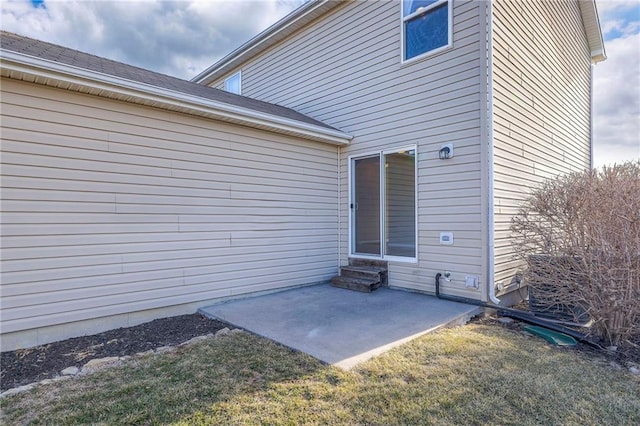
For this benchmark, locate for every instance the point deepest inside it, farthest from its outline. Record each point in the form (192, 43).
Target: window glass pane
(427, 32)
(232, 84)
(367, 205)
(410, 6)
(400, 208)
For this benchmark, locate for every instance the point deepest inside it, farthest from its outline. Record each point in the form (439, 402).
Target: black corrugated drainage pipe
(517, 314)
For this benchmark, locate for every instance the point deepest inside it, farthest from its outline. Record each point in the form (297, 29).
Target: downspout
(591, 116)
(491, 227)
(339, 211)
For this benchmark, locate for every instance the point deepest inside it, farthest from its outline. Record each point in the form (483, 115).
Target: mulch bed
(30, 365)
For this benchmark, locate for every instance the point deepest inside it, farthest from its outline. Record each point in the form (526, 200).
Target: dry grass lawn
(472, 375)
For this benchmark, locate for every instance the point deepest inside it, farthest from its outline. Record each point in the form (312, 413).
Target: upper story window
(233, 84)
(426, 27)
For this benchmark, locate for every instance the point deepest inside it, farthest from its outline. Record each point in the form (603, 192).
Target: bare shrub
(579, 234)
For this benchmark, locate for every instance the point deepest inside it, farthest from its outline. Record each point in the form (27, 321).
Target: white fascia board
(598, 55)
(30, 65)
(591, 23)
(205, 77)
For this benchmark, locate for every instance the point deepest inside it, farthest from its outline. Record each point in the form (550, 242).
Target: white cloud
(617, 102)
(618, 18)
(620, 26)
(179, 38)
(608, 6)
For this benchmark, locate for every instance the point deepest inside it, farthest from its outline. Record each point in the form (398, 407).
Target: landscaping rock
(237, 331)
(505, 320)
(99, 363)
(224, 332)
(615, 365)
(194, 340)
(163, 349)
(18, 390)
(70, 371)
(634, 370)
(145, 353)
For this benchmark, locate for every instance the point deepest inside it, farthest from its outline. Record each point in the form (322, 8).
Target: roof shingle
(48, 51)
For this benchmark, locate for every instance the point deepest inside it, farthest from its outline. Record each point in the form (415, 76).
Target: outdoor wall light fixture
(446, 151)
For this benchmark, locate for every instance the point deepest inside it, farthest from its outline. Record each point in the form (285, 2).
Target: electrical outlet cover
(446, 238)
(471, 281)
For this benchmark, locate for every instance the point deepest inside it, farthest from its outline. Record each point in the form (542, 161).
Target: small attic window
(233, 84)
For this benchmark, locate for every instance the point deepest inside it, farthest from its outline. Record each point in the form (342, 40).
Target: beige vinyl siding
(541, 67)
(345, 70)
(110, 208)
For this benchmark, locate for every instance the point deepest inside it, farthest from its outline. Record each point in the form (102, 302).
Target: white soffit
(592, 30)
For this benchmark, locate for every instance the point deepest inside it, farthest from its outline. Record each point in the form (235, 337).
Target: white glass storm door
(365, 206)
(383, 205)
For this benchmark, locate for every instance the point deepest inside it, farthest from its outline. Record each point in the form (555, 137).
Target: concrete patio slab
(341, 327)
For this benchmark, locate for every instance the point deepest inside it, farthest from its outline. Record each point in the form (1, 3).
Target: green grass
(470, 375)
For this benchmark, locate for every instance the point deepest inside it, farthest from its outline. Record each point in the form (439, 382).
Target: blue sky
(619, 18)
(159, 35)
(617, 84)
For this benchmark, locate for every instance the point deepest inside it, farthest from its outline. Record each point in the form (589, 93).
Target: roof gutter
(21, 64)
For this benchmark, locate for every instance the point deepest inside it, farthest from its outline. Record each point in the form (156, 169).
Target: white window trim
(424, 55)
(351, 232)
(239, 74)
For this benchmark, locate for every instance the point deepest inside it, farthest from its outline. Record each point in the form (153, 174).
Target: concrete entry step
(358, 284)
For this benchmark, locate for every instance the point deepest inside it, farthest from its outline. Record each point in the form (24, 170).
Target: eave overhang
(592, 30)
(28, 68)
